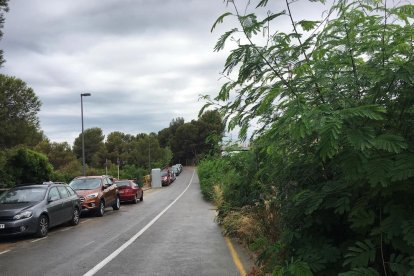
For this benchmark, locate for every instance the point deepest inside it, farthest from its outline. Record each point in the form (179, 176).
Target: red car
(129, 191)
(165, 177)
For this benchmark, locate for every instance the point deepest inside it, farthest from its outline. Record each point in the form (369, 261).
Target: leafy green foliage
(332, 156)
(19, 105)
(27, 166)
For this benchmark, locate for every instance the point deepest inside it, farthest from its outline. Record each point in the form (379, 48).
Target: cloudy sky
(144, 62)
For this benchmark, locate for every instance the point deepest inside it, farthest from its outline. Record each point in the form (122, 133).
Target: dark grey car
(33, 209)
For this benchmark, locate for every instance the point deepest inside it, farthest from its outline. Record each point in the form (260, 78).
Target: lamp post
(83, 140)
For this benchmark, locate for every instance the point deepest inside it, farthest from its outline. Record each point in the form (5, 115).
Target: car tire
(101, 210)
(135, 201)
(117, 204)
(75, 217)
(142, 196)
(42, 226)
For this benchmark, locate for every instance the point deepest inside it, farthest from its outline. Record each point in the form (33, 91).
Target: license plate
(121, 192)
(2, 226)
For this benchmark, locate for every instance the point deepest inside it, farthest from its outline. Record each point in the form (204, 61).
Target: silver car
(33, 209)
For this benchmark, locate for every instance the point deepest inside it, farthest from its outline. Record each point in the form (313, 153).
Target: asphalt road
(172, 232)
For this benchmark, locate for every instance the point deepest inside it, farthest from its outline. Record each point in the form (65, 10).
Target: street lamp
(83, 140)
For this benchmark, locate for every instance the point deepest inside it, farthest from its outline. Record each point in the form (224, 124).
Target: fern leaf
(329, 143)
(361, 271)
(400, 264)
(220, 20)
(361, 138)
(361, 254)
(222, 40)
(308, 25)
(373, 112)
(403, 167)
(391, 143)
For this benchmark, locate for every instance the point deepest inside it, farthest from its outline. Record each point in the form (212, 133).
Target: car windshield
(85, 183)
(23, 195)
(122, 183)
(164, 173)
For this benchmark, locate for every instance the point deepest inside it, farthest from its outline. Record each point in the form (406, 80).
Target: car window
(53, 194)
(63, 192)
(85, 183)
(122, 183)
(71, 192)
(134, 185)
(23, 195)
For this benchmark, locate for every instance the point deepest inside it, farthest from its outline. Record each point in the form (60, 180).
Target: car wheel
(42, 226)
(135, 201)
(101, 210)
(75, 217)
(117, 204)
(142, 196)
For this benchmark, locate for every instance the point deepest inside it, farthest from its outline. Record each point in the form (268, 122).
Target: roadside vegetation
(326, 186)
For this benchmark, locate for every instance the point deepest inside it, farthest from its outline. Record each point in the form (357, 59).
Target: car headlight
(22, 215)
(94, 195)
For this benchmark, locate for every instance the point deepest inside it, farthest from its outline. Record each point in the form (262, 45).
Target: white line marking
(5, 251)
(88, 243)
(105, 261)
(85, 220)
(39, 239)
(65, 229)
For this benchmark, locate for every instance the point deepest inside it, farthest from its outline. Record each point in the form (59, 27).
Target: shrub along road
(162, 235)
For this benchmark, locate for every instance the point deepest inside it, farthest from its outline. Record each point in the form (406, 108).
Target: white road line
(85, 220)
(65, 229)
(5, 251)
(88, 243)
(39, 239)
(105, 261)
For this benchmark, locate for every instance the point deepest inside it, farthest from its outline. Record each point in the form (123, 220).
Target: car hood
(12, 209)
(87, 192)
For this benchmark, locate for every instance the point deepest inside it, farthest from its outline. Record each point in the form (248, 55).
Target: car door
(137, 190)
(67, 206)
(109, 192)
(54, 207)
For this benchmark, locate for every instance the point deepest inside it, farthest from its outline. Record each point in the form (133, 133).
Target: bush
(27, 166)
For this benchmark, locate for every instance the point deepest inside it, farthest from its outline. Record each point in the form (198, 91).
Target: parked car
(165, 177)
(180, 167)
(129, 191)
(172, 175)
(33, 209)
(176, 170)
(96, 193)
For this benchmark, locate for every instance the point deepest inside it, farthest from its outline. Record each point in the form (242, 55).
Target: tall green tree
(334, 149)
(94, 146)
(19, 106)
(58, 154)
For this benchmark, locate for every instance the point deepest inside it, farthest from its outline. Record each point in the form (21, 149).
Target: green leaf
(220, 20)
(403, 167)
(390, 142)
(361, 218)
(361, 254)
(361, 138)
(360, 271)
(399, 264)
(222, 40)
(308, 25)
(330, 134)
(262, 3)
